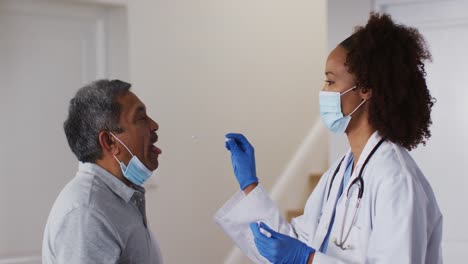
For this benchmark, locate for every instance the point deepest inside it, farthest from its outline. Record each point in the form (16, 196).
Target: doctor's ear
(108, 143)
(365, 93)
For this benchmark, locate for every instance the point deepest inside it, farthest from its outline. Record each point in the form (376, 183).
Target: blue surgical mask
(135, 171)
(330, 111)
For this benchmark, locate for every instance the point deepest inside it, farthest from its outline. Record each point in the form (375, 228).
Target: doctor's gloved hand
(242, 158)
(279, 248)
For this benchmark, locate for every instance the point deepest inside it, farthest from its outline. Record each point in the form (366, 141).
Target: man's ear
(365, 93)
(108, 143)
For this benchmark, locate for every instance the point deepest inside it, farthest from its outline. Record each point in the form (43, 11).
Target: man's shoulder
(76, 194)
(84, 191)
(74, 214)
(85, 194)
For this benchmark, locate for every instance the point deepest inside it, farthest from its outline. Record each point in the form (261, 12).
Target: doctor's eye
(329, 82)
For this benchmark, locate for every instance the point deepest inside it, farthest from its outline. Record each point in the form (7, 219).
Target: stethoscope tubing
(359, 178)
(360, 181)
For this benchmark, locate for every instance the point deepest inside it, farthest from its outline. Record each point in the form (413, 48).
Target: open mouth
(155, 150)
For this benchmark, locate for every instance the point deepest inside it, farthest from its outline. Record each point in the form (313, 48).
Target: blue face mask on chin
(330, 111)
(136, 172)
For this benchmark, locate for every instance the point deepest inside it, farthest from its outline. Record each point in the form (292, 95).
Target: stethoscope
(360, 182)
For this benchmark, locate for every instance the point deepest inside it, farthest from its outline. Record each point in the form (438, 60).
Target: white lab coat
(399, 220)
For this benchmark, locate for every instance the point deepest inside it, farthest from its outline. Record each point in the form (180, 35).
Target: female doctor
(374, 205)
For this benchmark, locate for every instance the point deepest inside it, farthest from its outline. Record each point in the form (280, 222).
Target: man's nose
(153, 125)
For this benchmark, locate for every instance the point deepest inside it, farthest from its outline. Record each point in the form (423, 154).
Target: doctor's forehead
(335, 65)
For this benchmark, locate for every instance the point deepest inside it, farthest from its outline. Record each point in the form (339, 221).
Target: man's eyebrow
(329, 73)
(140, 109)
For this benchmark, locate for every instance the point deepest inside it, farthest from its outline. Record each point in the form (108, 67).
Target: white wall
(343, 16)
(205, 68)
(48, 49)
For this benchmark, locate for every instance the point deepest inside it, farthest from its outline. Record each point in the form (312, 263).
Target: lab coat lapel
(371, 143)
(329, 205)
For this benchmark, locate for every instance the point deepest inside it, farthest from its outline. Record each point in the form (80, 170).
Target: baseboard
(21, 260)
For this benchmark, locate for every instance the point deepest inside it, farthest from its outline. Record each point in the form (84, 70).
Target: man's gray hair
(93, 109)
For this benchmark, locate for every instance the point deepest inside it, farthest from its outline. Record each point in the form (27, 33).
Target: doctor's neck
(359, 131)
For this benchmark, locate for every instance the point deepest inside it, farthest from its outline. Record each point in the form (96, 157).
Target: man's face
(139, 132)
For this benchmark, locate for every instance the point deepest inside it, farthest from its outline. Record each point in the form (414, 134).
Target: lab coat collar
(371, 143)
(333, 199)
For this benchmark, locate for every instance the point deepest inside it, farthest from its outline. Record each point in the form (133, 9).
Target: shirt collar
(116, 185)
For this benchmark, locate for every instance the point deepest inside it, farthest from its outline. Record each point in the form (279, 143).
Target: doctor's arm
(252, 205)
(250, 188)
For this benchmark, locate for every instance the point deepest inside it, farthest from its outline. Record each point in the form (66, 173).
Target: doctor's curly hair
(389, 58)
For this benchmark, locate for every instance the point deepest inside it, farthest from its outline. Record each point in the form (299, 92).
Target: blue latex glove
(242, 158)
(279, 248)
